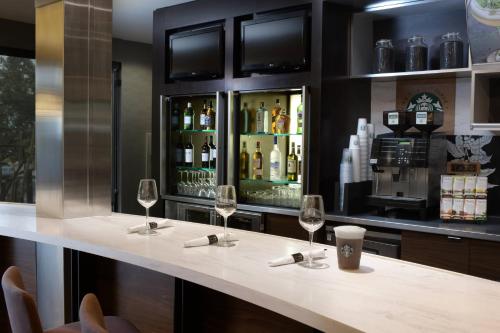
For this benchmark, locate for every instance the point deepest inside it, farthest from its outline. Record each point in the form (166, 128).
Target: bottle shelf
(268, 181)
(180, 168)
(195, 131)
(269, 134)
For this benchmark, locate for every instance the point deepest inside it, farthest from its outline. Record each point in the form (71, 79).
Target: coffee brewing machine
(407, 166)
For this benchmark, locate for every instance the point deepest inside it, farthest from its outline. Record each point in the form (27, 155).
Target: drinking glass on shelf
(225, 205)
(147, 195)
(312, 218)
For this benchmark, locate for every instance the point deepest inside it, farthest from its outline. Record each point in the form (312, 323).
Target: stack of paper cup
(371, 136)
(363, 146)
(356, 158)
(345, 174)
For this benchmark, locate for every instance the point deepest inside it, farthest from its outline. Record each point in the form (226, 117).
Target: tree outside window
(17, 129)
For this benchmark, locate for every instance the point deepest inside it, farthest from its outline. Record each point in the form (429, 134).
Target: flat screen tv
(197, 54)
(275, 43)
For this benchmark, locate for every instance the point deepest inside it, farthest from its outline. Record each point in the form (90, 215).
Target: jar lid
(384, 42)
(416, 38)
(451, 36)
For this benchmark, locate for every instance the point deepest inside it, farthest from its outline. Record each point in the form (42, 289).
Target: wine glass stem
(309, 258)
(225, 229)
(147, 216)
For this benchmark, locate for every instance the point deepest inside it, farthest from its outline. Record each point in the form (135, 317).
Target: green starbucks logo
(424, 102)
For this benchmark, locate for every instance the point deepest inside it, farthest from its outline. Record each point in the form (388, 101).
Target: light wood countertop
(385, 295)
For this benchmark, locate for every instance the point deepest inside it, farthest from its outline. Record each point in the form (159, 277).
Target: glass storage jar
(384, 56)
(451, 51)
(416, 54)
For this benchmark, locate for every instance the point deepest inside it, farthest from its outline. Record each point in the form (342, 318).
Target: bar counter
(384, 295)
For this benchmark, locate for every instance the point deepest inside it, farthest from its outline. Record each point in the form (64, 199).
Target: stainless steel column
(73, 107)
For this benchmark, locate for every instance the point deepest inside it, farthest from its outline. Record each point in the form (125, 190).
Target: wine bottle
(213, 153)
(205, 154)
(203, 116)
(257, 163)
(299, 164)
(188, 117)
(244, 119)
(179, 152)
(291, 167)
(175, 117)
(300, 116)
(188, 153)
(210, 118)
(282, 122)
(275, 112)
(262, 119)
(244, 159)
(275, 162)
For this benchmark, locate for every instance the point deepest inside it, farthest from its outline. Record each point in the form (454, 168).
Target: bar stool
(23, 313)
(93, 321)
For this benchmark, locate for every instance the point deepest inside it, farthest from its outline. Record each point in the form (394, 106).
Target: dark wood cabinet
(288, 226)
(484, 259)
(470, 256)
(445, 252)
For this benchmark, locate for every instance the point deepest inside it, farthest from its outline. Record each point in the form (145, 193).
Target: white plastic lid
(349, 232)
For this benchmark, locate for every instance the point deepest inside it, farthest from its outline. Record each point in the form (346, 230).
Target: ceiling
(132, 19)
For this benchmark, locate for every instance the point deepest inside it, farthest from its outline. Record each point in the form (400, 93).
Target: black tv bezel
(277, 68)
(206, 75)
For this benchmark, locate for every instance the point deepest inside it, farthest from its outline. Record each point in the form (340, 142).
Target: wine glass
(147, 195)
(225, 205)
(312, 218)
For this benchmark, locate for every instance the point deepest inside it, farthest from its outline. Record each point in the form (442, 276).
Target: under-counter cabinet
(469, 256)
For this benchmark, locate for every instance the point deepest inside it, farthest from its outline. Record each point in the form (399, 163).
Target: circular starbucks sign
(424, 102)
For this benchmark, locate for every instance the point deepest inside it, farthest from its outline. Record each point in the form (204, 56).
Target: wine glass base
(148, 232)
(226, 244)
(314, 265)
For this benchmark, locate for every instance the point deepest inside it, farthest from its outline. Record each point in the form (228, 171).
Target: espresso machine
(407, 165)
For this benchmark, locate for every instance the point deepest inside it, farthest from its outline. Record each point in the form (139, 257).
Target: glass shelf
(195, 131)
(267, 181)
(269, 134)
(194, 169)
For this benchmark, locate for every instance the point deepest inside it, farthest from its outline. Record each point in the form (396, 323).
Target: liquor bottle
(291, 167)
(262, 119)
(176, 114)
(282, 122)
(203, 116)
(213, 153)
(188, 153)
(179, 152)
(244, 119)
(257, 163)
(299, 164)
(244, 159)
(275, 112)
(188, 117)
(275, 162)
(205, 154)
(210, 118)
(300, 119)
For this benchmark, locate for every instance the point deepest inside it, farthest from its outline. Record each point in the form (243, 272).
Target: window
(17, 129)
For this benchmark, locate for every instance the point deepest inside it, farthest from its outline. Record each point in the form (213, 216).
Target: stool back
(21, 306)
(91, 317)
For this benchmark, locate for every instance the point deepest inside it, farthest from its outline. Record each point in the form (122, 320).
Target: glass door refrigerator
(267, 146)
(192, 153)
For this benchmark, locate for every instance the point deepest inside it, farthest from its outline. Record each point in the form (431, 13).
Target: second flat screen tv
(277, 43)
(197, 54)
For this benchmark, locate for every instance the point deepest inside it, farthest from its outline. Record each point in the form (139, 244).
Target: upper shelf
(437, 73)
(270, 134)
